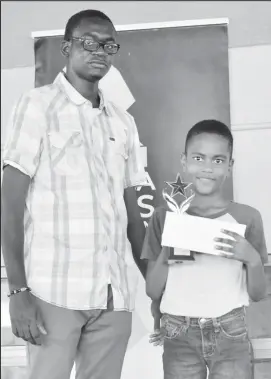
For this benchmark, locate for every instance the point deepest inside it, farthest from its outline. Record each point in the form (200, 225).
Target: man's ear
(183, 161)
(65, 48)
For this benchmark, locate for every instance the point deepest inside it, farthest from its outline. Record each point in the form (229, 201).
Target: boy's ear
(183, 161)
(65, 48)
(231, 165)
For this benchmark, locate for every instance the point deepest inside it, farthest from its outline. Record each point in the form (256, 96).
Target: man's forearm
(14, 189)
(12, 248)
(256, 282)
(135, 229)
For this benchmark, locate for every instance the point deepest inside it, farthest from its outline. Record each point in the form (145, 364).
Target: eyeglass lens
(110, 48)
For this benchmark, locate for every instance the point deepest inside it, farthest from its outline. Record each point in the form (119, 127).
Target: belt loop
(216, 324)
(187, 319)
(244, 313)
(244, 310)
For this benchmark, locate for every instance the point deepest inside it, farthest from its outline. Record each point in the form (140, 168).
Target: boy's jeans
(221, 344)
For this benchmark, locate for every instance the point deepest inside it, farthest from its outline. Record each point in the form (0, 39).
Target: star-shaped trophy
(178, 186)
(178, 255)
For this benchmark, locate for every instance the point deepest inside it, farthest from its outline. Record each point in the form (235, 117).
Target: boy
(203, 302)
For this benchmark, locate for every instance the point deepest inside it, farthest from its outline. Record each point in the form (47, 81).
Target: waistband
(199, 321)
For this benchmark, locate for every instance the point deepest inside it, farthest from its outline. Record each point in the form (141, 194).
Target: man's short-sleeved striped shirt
(80, 159)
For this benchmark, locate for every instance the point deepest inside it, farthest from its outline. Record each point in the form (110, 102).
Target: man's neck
(89, 90)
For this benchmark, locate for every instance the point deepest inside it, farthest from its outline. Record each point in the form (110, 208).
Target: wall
(250, 83)
(250, 74)
(249, 21)
(250, 97)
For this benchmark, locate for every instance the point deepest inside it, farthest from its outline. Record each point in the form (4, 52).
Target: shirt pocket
(116, 157)
(66, 152)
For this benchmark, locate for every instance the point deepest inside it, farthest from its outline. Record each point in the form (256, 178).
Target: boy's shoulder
(159, 214)
(152, 244)
(243, 213)
(157, 220)
(251, 217)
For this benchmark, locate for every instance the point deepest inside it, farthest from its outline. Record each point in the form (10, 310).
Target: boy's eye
(197, 158)
(218, 161)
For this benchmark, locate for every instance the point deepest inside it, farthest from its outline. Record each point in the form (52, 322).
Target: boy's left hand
(239, 249)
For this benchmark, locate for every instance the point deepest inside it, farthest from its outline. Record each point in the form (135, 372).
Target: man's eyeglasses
(89, 45)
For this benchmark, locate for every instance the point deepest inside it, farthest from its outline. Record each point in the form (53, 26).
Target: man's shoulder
(243, 213)
(42, 96)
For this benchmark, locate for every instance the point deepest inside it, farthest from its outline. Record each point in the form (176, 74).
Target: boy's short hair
(76, 19)
(212, 127)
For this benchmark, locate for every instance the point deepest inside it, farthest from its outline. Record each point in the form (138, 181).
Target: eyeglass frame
(99, 43)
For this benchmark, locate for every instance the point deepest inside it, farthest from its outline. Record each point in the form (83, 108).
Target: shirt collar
(74, 95)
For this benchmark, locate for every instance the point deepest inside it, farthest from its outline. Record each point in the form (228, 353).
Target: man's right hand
(25, 318)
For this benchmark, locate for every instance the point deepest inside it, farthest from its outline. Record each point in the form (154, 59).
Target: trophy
(185, 234)
(179, 187)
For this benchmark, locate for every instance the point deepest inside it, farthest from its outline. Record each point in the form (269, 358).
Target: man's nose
(100, 51)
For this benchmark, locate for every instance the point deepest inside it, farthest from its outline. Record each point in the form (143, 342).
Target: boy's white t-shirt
(210, 286)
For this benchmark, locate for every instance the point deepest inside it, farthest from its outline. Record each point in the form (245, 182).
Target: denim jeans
(220, 344)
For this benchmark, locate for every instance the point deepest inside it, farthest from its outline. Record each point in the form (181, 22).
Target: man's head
(85, 58)
(207, 159)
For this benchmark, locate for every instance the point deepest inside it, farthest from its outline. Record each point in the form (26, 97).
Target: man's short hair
(211, 127)
(77, 18)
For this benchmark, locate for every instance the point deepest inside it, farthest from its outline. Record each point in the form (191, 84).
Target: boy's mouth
(205, 179)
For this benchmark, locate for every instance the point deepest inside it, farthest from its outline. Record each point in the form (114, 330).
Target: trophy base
(180, 257)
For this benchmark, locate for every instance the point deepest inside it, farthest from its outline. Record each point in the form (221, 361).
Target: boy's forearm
(256, 281)
(157, 277)
(157, 322)
(156, 313)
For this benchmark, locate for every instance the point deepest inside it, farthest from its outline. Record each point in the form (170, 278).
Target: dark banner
(177, 76)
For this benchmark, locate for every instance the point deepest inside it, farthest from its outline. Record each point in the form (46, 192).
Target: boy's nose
(207, 168)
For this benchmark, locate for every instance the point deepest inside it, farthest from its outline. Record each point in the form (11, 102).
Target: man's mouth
(98, 63)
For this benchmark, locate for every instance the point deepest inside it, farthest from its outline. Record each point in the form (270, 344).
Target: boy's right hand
(158, 336)
(25, 318)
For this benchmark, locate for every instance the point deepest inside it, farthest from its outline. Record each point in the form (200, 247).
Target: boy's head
(207, 159)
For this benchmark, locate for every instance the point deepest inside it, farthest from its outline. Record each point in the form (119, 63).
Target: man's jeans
(221, 344)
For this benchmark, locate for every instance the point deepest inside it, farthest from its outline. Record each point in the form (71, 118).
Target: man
(70, 163)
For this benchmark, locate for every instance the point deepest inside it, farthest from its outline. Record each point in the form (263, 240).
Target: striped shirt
(80, 159)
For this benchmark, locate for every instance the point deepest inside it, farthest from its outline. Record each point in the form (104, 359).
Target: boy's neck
(209, 204)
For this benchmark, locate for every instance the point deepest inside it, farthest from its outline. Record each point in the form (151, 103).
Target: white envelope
(196, 233)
